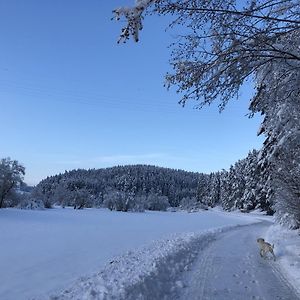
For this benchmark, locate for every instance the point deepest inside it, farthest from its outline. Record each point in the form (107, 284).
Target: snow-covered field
(43, 252)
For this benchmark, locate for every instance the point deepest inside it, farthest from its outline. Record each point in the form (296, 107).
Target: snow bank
(287, 251)
(149, 273)
(256, 214)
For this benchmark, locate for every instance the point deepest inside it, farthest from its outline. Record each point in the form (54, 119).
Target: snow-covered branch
(133, 17)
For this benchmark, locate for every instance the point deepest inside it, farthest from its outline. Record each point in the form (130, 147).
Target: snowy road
(231, 268)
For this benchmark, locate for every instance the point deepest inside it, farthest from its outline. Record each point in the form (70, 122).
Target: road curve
(230, 268)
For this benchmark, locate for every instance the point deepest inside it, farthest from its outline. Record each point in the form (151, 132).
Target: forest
(141, 187)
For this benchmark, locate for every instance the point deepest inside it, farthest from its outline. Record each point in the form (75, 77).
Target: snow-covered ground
(99, 254)
(43, 252)
(231, 268)
(151, 272)
(216, 264)
(287, 250)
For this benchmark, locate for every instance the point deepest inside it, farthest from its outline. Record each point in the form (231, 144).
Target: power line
(88, 98)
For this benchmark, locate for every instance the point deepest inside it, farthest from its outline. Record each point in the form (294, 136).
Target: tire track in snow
(230, 268)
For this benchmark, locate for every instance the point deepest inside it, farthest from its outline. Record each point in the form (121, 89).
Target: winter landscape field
(99, 254)
(150, 150)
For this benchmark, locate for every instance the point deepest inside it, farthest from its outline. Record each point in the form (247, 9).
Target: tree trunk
(4, 193)
(1, 200)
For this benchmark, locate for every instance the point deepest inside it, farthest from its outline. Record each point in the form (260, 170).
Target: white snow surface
(44, 252)
(148, 273)
(230, 268)
(287, 250)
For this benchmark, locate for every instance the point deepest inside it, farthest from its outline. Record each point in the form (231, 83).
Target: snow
(152, 270)
(98, 254)
(43, 252)
(231, 268)
(287, 251)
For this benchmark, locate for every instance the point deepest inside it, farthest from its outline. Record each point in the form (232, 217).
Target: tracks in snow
(230, 268)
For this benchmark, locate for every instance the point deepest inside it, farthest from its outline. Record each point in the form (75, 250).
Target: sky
(71, 97)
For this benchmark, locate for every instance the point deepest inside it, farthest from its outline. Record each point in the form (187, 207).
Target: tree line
(141, 187)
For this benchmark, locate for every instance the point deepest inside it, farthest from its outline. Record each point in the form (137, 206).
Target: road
(230, 268)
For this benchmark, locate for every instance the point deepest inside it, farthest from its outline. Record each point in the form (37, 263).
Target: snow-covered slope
(43, 252)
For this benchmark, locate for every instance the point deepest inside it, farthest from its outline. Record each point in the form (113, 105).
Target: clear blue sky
(71, 97)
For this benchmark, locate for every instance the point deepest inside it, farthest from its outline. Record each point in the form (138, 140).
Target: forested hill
(140, 187)
(135, 181)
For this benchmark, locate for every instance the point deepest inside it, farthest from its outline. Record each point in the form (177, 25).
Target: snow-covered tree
(226, 183)
(224, 45)
(251, 176)
(29, 202)
(238, 185)
(116, 201)
(155, 202)
(278, 99)
(62, 195)
(214, 190)
(203, 189)
(244, 187)
(122, 201)
(191, 204)
(81, 198)
(188, 203)
(286, 179)
(11, 176)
